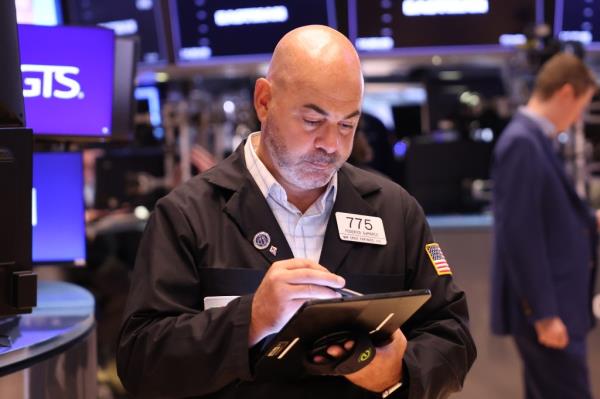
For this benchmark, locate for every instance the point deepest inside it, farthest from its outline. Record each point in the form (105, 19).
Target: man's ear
(566, 92)
(262, 98)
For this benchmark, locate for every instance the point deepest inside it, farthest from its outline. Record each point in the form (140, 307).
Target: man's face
(308, 133)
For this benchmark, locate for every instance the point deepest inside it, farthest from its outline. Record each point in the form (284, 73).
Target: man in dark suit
(545, 237)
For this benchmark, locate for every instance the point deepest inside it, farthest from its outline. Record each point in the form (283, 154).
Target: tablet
(378, 314)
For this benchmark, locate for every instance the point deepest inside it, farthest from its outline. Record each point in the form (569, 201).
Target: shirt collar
(269, 186)
(541, 121)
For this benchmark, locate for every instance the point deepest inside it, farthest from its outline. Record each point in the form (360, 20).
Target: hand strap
(361, 354)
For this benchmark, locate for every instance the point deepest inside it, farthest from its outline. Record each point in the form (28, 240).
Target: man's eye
(346, 126)
(312, 123)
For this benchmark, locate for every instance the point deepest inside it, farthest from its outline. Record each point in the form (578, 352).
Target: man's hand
(285, 287)
(552, 332)
(383, 372)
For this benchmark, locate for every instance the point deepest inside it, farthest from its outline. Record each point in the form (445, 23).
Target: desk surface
(65, 313)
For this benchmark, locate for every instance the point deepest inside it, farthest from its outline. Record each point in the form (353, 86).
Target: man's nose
(328, 140)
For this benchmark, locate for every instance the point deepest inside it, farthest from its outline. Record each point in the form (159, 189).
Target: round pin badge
(262, 240)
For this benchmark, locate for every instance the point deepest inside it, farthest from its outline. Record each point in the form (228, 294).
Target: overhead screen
(67, 79)
(142, 18)
(38, 12)
(58, 210)
(426, 26)
(578, 20)
(205, 30)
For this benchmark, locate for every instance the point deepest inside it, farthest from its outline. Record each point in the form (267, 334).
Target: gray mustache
(321, 158)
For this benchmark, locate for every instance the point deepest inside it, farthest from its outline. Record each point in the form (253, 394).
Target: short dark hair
(563, 69)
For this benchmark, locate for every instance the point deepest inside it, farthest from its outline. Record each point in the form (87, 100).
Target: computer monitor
(239, 30)
(58, 214)
(68, 80)
(440, 26)
(578, 20)
(148, 101)
(11, 93)
(39, 12)
(151, 96)
(126, 56)
(142, 18)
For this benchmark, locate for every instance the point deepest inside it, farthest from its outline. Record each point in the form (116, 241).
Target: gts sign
(39, 80)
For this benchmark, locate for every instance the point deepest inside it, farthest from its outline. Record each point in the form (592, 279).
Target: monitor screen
(142, 18)
(39, 12)
(151, 96)
(240, 29)
(148, 103)
(57, 208)
(578, 20)
(67, 79)
(438, 26)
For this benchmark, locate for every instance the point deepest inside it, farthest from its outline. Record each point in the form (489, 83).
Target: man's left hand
(386, 368)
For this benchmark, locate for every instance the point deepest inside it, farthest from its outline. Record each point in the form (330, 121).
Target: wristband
(391, 390)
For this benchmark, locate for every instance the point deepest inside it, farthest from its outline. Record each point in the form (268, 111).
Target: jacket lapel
(249, 209)
(352, 188)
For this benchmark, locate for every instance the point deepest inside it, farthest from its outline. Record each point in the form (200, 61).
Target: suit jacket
(198, 243)
(545, 236)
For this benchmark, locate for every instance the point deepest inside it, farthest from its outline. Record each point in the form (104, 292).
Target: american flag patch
(437, 259)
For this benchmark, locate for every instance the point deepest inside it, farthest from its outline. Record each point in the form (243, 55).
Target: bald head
(318, 56)
(308, 107)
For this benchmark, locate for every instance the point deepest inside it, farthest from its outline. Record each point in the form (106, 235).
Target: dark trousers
(554, 374)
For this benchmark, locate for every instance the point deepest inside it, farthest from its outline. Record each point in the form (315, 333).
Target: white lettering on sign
(43, 84)
(418, 8)
(34, 215)
(122, 27)
(251, 16)
(582, 36)
(374, 43)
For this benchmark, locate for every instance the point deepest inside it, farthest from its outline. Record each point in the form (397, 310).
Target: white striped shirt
(304, 232)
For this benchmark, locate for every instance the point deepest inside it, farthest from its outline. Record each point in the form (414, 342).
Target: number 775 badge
(360, 228)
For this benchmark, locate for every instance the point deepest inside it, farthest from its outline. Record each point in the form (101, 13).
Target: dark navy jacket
(545, 236)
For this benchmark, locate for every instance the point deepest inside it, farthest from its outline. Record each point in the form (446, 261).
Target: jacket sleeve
(519, 228)
(440, 348)
(168, 346)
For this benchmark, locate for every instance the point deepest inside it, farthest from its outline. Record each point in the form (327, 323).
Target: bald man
(260, 227)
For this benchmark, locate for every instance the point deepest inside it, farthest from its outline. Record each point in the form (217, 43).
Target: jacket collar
(248, 208)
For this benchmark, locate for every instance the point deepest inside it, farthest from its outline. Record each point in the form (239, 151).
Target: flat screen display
(240, 29)
(57, 208)
(141, 18)
(434, 26)
(67, 79)
(39, 12)
(578, 20)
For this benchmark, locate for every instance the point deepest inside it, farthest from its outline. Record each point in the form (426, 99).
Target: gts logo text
(39, 80)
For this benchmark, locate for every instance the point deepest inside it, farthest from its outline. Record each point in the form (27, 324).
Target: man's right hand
(552, 332)
(285, 287)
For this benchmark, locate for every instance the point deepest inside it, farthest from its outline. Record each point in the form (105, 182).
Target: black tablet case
(283, 356)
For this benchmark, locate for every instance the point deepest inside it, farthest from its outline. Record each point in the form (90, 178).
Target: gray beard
(294, 173)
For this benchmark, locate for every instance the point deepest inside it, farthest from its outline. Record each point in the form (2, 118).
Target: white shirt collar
(543, 123)
(269, 186)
